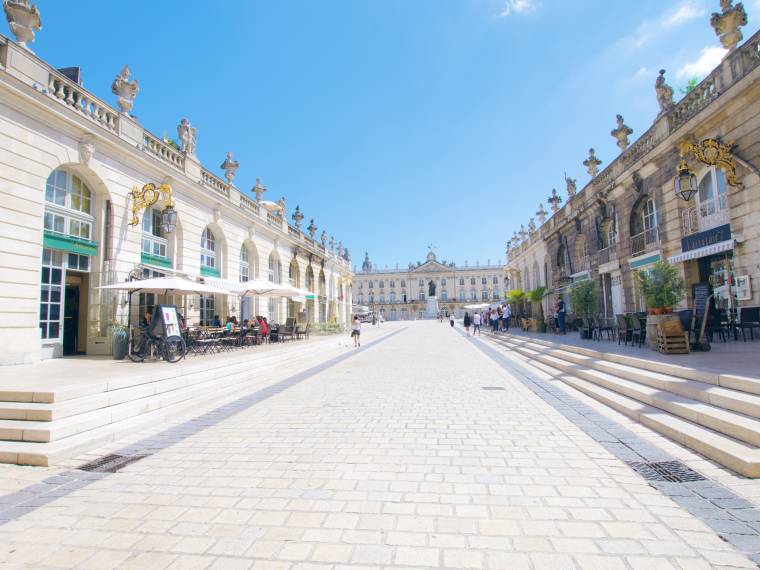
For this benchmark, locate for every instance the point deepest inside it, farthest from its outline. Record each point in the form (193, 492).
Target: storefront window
(68, 206)
(153, 240)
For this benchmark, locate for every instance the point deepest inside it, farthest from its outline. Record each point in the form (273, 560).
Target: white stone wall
(39, 134)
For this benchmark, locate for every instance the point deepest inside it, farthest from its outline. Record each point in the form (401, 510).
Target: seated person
(145, 322)
(216, 322)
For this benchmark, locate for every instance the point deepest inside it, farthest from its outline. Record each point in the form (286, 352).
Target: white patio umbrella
(166, 285)
(478, 306)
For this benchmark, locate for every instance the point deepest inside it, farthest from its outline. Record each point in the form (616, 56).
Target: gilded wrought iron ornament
(145, 197)
(714, 153)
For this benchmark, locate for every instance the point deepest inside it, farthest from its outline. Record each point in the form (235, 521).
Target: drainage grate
(672, 471)
(110, 463)
(492, 388)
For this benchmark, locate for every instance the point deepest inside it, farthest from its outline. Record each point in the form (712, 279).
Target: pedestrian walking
(507, 317)
(494, 321)
(561, 315)
(467, 322)
(356, 330)
(476, 322)
(451, 319)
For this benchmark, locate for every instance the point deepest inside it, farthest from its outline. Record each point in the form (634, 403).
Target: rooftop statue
(554, 200)
(621, 133)
(664, 93)
(571, 183)
(532, 225)
(727, 23)
(125, 90)
(592, 165)
(230, 167)
(23, 20)
(312, 229)
(297, 217)
(258, 189)
(187, 136)
(541, 214)
(323, 239)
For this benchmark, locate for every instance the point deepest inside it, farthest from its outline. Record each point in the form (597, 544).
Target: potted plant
(515, 299)
(662, 287)
(585, 301)
(537, 297)
(119, 340)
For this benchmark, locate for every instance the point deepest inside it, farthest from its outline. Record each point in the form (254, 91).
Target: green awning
(155, 260)
(210, 271)
(645, 261)
(61, 242)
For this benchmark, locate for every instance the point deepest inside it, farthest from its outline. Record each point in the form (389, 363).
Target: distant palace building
(401, 294)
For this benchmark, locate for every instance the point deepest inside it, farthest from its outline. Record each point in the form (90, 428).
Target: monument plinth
(431, 311)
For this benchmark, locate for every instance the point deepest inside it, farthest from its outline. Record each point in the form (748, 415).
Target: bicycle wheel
(174, 349)
(137, 349)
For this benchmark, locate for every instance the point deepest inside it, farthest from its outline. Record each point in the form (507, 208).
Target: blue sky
(394, 123)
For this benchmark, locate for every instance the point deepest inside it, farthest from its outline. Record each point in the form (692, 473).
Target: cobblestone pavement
(395, 457)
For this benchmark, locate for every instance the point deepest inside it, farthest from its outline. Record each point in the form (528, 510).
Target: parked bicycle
(144, 345)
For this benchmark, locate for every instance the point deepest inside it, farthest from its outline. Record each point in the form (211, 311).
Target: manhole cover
(110, 463)
(492, 388)
(672, 471)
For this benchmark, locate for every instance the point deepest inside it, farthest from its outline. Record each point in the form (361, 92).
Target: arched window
(154, 241)
(371, 284)
(713, 199)
(382, 284)
(68, 206)
(274, 268)
(422, 282)
(443, 282)
(208, 249)
(294, 277)
(245, 268)
(461, 280)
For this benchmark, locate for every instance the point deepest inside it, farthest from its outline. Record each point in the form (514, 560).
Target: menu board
(700, 292)
(165, 321)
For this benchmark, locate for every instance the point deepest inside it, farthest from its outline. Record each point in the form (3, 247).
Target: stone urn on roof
(23, 20)
(230, 167)
(125, 90)
(727, 23)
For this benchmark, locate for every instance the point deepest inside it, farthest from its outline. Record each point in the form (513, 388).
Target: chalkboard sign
(700, 292)
(165, 322)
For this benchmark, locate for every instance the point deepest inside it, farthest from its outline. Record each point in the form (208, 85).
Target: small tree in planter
(585, 299)
(515, 298)
(662, 287)
(537, 297)
(119, 341)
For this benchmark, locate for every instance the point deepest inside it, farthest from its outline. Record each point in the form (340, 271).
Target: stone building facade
(70, 163)
(628, 215)
(401, 294)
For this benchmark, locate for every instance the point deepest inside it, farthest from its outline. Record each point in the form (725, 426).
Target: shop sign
(706, 238)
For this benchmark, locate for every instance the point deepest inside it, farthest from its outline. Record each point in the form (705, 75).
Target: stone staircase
(717, 415)
(42, 427)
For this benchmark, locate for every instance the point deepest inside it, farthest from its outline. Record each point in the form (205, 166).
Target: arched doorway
(274, 274)
(249, 269)
(294, 278)
(322, 297)
(73, 315)
(212, 263)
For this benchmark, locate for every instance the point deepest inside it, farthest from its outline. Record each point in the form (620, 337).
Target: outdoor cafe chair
(624, 330)
(637, 330)
(749, 318)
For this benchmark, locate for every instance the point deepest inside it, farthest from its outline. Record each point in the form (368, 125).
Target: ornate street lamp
(684, 182)
(147, 196)
(168, 219)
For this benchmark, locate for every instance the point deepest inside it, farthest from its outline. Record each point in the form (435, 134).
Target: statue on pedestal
(570, 183)
(727, 23)
(125, 90)
(541, 214)
(259, 190)
(664, 94)
(187, 136)
(431, 288)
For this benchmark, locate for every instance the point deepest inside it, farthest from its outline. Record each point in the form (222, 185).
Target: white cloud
(709, 59)
(518, 7)
(684, 13)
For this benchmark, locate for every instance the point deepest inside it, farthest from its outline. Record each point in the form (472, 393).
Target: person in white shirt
(356, 330)
(477, 319)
